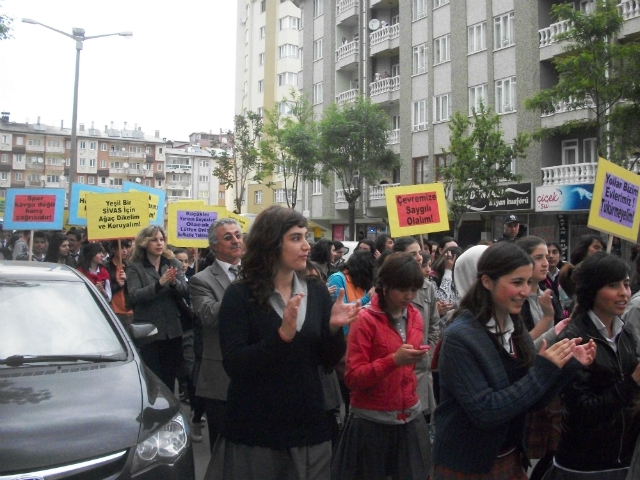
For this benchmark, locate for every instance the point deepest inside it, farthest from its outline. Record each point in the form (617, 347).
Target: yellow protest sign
(116, 215)
(615, 200)
(416, 209)
(189, 223)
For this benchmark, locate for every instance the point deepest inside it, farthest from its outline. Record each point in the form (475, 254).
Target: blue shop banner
(563, 198)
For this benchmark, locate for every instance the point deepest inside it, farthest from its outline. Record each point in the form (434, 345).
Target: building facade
(38, 155)
(422, 60)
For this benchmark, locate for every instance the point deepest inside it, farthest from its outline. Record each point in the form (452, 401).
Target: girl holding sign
(90, 265)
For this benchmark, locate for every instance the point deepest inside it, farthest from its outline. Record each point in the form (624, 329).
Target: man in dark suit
(207, 289)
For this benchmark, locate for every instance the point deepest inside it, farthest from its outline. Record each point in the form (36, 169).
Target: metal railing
(385, 33)
(384, 85)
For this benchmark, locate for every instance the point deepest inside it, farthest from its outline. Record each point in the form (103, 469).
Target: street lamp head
(77, 32)
(126, 34)
(28, 20)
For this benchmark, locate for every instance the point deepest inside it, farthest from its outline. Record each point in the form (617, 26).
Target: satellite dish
(43, 177)
(125, 165)
(138, 180)
(61, 178)
(40, 160)
(374, 24)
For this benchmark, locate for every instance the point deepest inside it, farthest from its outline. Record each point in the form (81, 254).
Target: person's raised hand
(545, 301)
(342, 314)
(169, 276)
(332, 289)
(290, 317)
(560, 325)
(407, 355)
(559, 353)
(586, 353)
(449, 260)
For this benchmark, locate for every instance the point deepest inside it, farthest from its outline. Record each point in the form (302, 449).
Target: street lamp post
(78, 35)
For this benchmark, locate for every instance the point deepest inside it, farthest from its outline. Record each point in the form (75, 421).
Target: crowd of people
(413, 359)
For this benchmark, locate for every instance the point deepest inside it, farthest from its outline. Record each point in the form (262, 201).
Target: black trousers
(164, 358)
(214, 410)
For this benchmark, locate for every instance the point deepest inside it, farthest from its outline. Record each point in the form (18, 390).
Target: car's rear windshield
(53, 318)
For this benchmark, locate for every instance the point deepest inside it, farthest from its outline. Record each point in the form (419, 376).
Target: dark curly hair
(361, 269)
(580, 252)
(89, 251)
(264, 248)
(321, 252)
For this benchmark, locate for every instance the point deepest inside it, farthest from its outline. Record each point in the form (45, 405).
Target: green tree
(5, 27)
(480, 160)
(290, 147)
(596, 72)
(353, 146)
(239, 161)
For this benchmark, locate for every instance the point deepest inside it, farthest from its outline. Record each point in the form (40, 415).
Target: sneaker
(196, 432)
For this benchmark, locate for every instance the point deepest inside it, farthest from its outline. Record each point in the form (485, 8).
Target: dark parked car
(76, 401)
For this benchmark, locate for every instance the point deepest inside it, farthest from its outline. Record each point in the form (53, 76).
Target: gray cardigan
(153, 303)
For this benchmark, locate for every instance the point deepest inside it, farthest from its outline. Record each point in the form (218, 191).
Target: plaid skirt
(505, 468)
(542, 429)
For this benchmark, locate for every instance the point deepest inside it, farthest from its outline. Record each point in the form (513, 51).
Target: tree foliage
(480, 160)
(596, 72)
(353, 146)
(239, 161)
(5, 27)
(290, 147)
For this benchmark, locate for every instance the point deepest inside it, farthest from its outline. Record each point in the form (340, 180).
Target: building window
(442, 49)
(115, 181)
(316, 187)
(17, 176)
(263, 6)
(83, 145)
(506, 95)
(280, 195)
(4, 175)
(261, 58)
(92, 145)
(92, 162)
(103, 147)
(203, 178)
(289, 22)
(441, 161)
(587, 6)
(504, 34)
(4, 139)
(103, 164)
(288, 50)
(420, 169)
(34, 142)
(82, 162)
(287, 78)
(318, 8)
(102, 180)
(246, 62)
(317, 49)
(245, 90)
(442, 108)
(419, 115)
(50, 143)
(419, 59)
(419, 9)
(260, 112)
(569, 152)
(147, 183)
(263, 32)
(257, 197)
(68, 162)
(439, 3)
(477, 37)
(477, 94)
(159, 167)
(260, 86)
(317, 93)
(80, 178)
(19, 141)
(18, 158)
(92, 180)
(160, 150)
(4, 158)
(221, 196)
(203, 194)
(589, 151)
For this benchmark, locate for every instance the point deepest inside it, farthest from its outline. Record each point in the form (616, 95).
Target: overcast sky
(176, 74)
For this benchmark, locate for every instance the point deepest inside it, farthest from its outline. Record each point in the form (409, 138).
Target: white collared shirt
(225, 266)
(505, 338)
(616, 327)
(298, 285)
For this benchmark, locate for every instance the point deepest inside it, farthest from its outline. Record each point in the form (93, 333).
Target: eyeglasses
(230, 236)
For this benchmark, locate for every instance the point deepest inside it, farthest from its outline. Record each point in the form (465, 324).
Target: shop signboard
(563, 198)
(515, 196)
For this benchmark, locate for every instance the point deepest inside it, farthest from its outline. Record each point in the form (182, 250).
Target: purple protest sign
(619, 199)
(193, 225)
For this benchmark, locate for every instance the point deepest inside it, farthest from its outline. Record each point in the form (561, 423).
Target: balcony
(564, 111)
(136, 171)
(385, 91)
(117, 171)
(346, 11)
(121, 154)
(137, 155)
(178, 185)
(5, 182)
(394, 137)
(341, 202)
(629, 9)
(548, 38)
(55, 149)
(385, 38)
(347, 55)
(34, 148)
(34, 166)
(176, 198)
(376, 194)
(178, 167)
(573, 174)
(5, 147)
(346, 97)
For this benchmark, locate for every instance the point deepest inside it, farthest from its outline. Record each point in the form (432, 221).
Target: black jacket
(598, 429)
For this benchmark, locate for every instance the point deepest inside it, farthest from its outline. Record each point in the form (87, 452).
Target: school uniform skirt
(508, 467)
(375, 451)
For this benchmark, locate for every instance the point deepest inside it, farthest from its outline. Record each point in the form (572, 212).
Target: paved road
(201, 453)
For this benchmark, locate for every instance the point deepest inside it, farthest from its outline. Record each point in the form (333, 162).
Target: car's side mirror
(143, 330)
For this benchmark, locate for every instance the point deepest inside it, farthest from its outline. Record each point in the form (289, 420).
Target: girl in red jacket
(386, 435)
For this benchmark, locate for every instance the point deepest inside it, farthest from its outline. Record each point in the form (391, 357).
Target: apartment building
(189, 171)
(38, 155)
(422, 60)
(268, 65)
